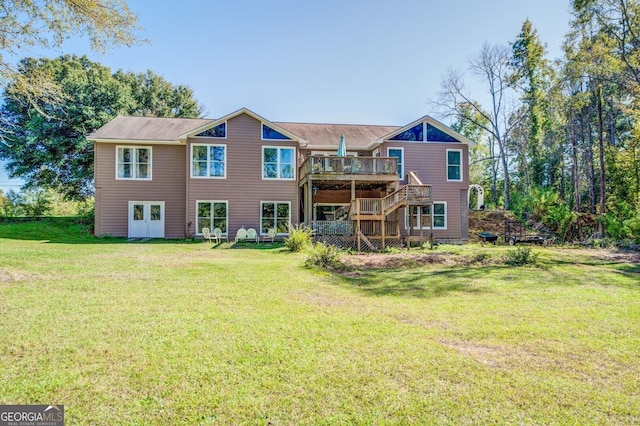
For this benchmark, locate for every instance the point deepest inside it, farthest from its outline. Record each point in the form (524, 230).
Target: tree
(491, 65)
(47, 146)
(47, 24)
(155, 97)
(530, 70)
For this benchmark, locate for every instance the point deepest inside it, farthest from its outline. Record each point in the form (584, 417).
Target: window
(439, 215)
(208, 161)
(278, 163)
(212, 215)
(327, 211)
(133, 163)
(414, 134)
(420, 216)
(269, 134)
(454, 165)
(399, 154)
(436, 135)
(276, 215)
(219, 131)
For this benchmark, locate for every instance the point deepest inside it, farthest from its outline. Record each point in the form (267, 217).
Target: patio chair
(252, 235)
(206, 233)
(241, 235)
(271, 234)
(217, 233)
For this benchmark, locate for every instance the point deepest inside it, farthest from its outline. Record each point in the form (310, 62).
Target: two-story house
(360, 186)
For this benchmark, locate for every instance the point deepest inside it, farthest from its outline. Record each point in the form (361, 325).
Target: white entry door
(146, 219)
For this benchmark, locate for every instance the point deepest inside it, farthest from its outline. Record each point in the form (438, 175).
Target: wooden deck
(319, 168)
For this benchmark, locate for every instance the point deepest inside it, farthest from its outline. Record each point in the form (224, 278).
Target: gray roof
(318, 136)
(129, 128)
(328, 135)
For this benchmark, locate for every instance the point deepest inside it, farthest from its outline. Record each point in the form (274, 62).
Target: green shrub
(299, 238)
(521, 256)
(325, 257)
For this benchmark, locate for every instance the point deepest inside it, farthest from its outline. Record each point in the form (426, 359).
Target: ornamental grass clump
(325, 257)
(299, 238)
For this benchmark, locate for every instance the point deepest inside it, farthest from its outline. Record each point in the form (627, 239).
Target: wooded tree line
(44, 140)
(560, 140)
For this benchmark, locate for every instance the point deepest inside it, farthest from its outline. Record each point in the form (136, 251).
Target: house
(171, 177)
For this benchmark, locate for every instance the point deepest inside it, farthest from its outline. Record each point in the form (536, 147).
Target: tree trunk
(591, 171)
(602, 163)
(574, 170)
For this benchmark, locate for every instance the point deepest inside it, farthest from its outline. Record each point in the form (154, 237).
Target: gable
(274, 131)
(427, 129)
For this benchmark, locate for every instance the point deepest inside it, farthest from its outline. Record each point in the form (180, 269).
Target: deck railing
(369, 206)
(330, 165)
(373, 228)
(332, 227)
(346, 227)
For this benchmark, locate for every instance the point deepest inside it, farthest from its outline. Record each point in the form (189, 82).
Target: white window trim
(226, 131)
(134, 170)
(278, 167)
(264, 232)
(402, 174)
(208, 161)
(461, 168)
(226, 233)
(435, 228)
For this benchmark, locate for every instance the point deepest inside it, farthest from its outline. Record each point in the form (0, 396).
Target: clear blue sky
(332, 61)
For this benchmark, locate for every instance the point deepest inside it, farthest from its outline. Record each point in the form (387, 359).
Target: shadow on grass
(70, 230)
(246, 245)
(416, 283)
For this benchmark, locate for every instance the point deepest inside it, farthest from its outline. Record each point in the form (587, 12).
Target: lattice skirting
(351, 242)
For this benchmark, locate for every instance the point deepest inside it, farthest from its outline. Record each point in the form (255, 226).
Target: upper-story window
(278, 163)
(416, 133)
(219, 131)
(208, 161)
(133, 162)
(436, 135)
(399, 154)
(454, 165)
(269, 134)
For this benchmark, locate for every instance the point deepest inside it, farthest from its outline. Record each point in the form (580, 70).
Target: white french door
(146, 219)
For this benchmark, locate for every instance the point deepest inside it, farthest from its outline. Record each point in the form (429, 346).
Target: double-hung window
(399, 154)
(454, 165)
(208, 161)
(275, 214)
(212, 215)
(278, 163)
(133, 163)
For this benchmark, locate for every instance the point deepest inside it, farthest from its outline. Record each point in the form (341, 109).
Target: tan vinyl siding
(244, 188)
(429, 161)
(113, 196)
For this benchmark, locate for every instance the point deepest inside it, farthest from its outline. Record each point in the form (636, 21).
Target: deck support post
(308, 216)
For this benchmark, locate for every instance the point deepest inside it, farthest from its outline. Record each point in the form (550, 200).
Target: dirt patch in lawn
(393, 261)
(18, 276)
(496, 356)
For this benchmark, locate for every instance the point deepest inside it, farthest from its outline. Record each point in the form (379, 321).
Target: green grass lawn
(169, 332)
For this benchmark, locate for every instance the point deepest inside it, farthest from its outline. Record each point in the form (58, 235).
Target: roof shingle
(147, 128)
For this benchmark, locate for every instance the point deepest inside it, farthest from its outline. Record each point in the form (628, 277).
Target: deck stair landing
(379, 208)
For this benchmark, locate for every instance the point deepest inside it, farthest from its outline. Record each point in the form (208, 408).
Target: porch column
(308, 214)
